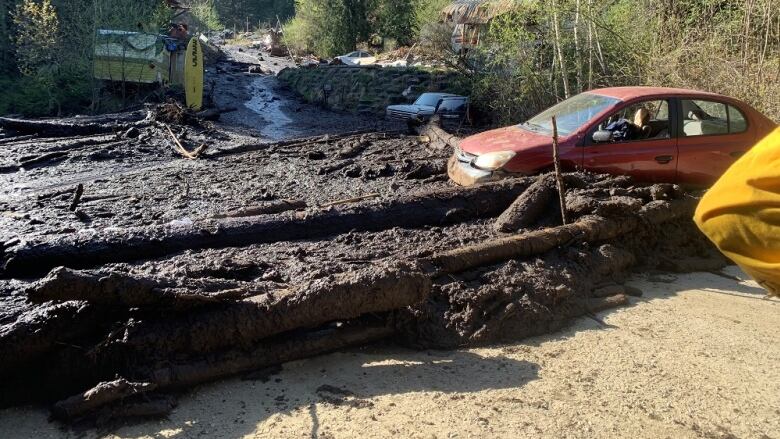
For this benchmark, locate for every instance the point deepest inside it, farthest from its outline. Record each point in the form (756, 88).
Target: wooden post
(558, 175)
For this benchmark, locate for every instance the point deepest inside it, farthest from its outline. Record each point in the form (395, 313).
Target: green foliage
(206, 12)
(397, 20)
(725, 46)
(44, 95)
(36, 37)
(329, 27)
(236, 13)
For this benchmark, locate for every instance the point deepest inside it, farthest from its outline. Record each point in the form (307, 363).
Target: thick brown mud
(183, 271)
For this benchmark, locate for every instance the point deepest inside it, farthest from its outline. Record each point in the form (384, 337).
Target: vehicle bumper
(466, 175)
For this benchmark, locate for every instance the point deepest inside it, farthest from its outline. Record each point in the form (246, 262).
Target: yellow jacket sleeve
(741, 213)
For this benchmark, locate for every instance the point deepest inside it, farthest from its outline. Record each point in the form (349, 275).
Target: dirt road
(696, 357)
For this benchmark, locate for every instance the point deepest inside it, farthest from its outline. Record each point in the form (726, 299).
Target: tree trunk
(587, 229)
(242, 324)
(559, 50)
(432, 208)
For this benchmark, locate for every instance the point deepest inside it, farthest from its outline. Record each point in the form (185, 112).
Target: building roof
(476, 11)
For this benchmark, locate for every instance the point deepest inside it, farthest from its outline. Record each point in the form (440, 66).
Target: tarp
(130, 56)
(741, 213)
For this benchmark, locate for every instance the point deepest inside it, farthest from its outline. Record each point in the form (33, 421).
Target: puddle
(266, 104)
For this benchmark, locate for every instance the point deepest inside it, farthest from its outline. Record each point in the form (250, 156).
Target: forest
(535, 53)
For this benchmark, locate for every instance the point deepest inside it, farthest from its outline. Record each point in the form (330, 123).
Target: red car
(653, 134)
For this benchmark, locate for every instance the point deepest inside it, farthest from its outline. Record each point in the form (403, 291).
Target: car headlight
(493, 160)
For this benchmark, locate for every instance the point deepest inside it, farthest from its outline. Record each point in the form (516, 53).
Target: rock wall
(367, 89)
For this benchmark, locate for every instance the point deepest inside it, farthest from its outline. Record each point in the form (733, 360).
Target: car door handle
(737, 154)
(664, 159)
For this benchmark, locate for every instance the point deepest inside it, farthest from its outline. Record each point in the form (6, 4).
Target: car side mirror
(602, 136)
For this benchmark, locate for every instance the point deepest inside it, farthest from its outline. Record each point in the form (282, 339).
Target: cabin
(471, 19)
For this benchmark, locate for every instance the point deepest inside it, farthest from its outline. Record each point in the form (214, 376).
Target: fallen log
(299, 142)
(435, 137)
(38, 331)
(77, 126)
(221, 365)
(242, 324)
(14, 139)
(587, 229)
(445, 206)
(528, 207)
(122, 290)
(271, 207)
(349, 200)
(99, 396)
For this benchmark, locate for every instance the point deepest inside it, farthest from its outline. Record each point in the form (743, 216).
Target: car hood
(412, 108)
(511, 138)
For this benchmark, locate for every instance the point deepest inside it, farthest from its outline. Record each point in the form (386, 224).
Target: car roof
(628, 93)
(444, 95)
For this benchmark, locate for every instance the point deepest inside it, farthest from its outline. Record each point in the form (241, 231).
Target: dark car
(447, 106)
(652, 134)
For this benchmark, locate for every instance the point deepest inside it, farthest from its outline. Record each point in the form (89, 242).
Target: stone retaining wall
(366, 89)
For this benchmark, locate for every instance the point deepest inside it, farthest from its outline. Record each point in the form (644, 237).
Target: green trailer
(138, 57)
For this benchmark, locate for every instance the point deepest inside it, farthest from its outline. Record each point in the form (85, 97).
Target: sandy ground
(696, 357)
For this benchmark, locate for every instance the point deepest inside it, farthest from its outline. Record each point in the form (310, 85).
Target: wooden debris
(99, 396)
(444, 206)
(528, 207)
(76, 197)
(558, 174)
(587, 229)
(269, 208)
(183, 151)
(435, 137)
(350, 200)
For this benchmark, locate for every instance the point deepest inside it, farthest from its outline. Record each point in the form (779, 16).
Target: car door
(713, 135)
(649, 156)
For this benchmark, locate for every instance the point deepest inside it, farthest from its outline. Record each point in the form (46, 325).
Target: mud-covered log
(528, 207)
(82, 126)
(115, 289)
(587, 229)
(212, 367)
(269, 208)
(440, 207)
(41, 329)
(342, 297)
(436, 138)
(99, 396)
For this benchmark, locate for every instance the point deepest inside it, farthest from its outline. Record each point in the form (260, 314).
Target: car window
(353, 55)
(428, 99)
(705, 118)
(640, 121)
(737, 121)
(452, 105)
(570, 114)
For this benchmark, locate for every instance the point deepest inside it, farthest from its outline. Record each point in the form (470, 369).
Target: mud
(259, 252)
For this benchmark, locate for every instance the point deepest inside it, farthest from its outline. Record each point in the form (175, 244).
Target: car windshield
(427, 99)
(570, 114)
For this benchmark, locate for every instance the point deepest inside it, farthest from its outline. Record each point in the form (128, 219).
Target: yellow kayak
(741, 213)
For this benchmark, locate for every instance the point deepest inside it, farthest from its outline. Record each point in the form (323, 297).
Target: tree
(397, 20)
(36, 39)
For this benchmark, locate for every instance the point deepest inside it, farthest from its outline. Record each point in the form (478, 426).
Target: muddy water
(269, 106)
